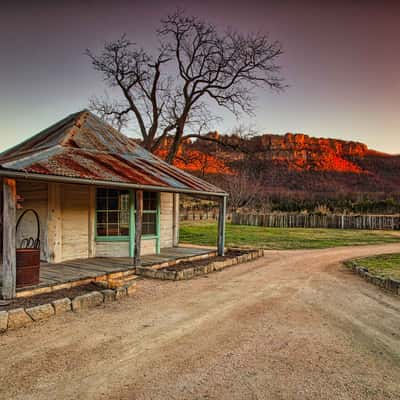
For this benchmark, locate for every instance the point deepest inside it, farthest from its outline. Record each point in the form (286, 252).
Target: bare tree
(196, 67)
(244, 188)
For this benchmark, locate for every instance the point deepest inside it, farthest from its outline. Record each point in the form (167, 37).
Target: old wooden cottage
(98, 195)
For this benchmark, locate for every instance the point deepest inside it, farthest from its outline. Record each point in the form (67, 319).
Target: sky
(341, 62)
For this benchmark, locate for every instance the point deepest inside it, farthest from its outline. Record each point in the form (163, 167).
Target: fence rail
(387, 222)
(200, 215)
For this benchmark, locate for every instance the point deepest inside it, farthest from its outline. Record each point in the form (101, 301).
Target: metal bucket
(28, 256)
(28, 267)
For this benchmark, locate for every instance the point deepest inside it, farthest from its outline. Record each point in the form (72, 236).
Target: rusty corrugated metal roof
(82, 146)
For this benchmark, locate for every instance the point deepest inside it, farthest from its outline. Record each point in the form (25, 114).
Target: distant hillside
(295, 163)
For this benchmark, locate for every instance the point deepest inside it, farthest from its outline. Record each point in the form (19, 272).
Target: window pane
(113, 192)
(124, 201)
(124, 230)
(149, 201)
(101, 217)
(149, 224)
(102, 192)
(101, 203)
(112, 217)
(112, 230)
(113, 203)
(124, 218)
(101, 230)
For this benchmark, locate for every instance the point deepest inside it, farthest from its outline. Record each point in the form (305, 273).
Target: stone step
(130, 278)
(123, 281)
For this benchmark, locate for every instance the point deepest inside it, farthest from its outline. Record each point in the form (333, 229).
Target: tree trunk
(173, 150)
(177, 138)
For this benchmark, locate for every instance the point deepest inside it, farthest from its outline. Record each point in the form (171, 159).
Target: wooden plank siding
(34, 195)
(67, 219)
(166, 220)
(75, 221)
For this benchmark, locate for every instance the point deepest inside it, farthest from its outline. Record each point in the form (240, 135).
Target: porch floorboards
(80, 269)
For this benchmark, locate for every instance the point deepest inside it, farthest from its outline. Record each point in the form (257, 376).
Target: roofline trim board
(97, 182)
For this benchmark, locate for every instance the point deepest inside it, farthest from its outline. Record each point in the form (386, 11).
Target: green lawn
(385, 265)
(205, 233)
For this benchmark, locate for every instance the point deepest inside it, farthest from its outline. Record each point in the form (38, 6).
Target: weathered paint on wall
(72, 217)
(34, 195)
(112, 249)
(75, 221)
(121, 249)
(166, 220)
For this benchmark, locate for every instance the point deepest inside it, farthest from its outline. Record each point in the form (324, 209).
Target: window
(150, 201)
(112, 212)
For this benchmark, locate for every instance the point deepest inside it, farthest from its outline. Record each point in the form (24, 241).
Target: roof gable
(83, 146)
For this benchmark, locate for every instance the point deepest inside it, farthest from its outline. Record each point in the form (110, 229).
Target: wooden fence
(388, 222)
(200, 215)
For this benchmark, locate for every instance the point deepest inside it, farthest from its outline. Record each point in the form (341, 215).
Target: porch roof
(81, 148)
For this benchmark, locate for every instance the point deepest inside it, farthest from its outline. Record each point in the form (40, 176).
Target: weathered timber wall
(166, 220)
(388, 222)
(34, 195)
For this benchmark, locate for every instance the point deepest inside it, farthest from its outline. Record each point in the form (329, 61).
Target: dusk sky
(341, 62)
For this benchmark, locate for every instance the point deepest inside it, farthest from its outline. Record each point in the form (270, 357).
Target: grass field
(205, 233)
(385, 265)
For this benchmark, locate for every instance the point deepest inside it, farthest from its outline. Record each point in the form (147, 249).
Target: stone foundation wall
(392, 285)
(190, 273)
(19, 317)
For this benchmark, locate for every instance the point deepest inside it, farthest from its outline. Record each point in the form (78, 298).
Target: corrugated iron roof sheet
(82, 146)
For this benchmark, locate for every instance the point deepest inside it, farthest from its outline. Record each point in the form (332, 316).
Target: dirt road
(293, 325)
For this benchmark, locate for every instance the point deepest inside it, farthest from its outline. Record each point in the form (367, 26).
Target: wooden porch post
(9, 258)
(175, 219)
(138, 226)
(221, 226)
(54, 223)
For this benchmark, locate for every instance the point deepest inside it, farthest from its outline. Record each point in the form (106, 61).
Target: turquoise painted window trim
(131, 237)
(149, 237)
(158, 224)
(106, 238)
(132, 213)
(132, 223)
(112, 238)
(123, 238)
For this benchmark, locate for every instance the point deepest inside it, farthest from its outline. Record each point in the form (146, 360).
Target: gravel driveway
(292, 325)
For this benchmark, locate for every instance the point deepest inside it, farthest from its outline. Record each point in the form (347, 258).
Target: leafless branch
(196, 65)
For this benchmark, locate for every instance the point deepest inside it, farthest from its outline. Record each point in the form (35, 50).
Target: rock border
(109, 279)
(19, 317)
(389, 284)
(189, 273)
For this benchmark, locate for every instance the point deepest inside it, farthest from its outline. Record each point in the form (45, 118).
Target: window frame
(153, 212)
(110, 238)
(131, 225)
